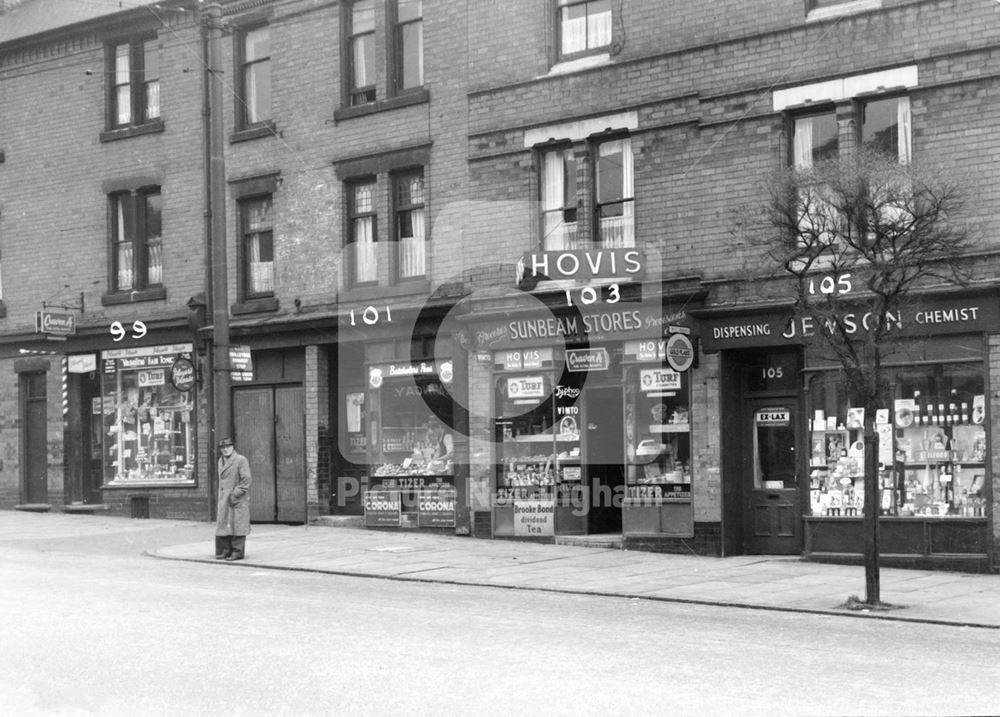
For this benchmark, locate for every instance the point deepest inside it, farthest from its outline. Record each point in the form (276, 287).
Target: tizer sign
(56, 323)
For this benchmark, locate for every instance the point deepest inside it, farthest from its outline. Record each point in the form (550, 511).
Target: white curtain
(124, 246)
(123, 84)
(628, 207)
(414, 249)
(364, 250)
(599, 28)
(555, 236)
(802, 144)
(904, 141)
(261, 271)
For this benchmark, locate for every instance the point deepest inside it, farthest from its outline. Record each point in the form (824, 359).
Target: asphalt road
(93, 627)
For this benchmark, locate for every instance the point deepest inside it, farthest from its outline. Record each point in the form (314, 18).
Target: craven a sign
(55, 323)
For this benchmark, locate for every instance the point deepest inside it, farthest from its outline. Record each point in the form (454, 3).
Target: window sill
(405, 288)
(133, 297)
(254, 306)
(578, 64)
(407, 99)
(264, 129)
(151, 127)
(847, 8)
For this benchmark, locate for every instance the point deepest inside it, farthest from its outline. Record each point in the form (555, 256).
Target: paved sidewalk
(753, 581)
(760, 582)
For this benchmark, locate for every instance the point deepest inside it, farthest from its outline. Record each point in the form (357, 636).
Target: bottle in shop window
(940, 414)
(964, 415)
(918, 410)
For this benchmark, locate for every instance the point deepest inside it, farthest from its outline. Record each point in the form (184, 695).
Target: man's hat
(225, 442)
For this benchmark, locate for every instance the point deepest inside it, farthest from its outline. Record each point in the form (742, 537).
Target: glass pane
(363, 17)
(574, 29)
(151, 62)
(410, 10)
(123, 65)
(124, 278)
(363, 61)
(815, 139)
(257, 44)
(152, 99)
(258, 91)
(412, 54)
(363, 195)
(123, 104)
(610, 172)
(774, 448)
(880, 126)
(599, 24)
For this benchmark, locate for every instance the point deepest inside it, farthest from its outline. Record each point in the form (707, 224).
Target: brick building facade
(395, 171)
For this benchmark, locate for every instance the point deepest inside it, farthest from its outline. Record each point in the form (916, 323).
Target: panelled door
(772, 477)
(35, 474)
(269, 424)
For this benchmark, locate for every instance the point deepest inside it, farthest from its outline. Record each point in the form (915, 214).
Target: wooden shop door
(269, 425)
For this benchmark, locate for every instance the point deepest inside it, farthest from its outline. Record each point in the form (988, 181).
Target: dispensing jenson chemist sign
(931, 315)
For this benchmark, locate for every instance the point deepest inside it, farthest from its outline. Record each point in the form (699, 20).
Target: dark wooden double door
(269, 423)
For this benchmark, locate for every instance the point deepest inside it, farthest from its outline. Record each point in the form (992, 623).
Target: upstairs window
(254, 69)
(361, 45)
(584, 26)
(135, 77)
(558, 199)
(814, 139)
(885, 127)
(257, 247)
(136, 237)
(411, 234)
(363, 231)
(614, 205)
(408, 44)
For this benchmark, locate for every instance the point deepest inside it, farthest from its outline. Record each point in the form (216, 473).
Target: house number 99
(118, 332)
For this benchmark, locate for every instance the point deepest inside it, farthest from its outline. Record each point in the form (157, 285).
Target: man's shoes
(221, 556)
(234, 557)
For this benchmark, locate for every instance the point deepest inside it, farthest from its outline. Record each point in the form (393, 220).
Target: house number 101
(371, 316)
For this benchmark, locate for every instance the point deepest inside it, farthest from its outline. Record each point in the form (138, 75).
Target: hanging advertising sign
(680, 352)
(55, 323)
(182, 375)
(81, 363)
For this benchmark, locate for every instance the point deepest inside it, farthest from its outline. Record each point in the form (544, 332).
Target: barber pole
(65, 386)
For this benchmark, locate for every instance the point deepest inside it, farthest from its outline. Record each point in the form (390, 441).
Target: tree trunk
(871, 510)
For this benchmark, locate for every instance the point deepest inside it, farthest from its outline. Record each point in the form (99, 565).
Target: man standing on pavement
(233, 522)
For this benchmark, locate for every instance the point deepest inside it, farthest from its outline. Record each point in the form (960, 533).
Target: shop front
(591, 423)
(793, 443)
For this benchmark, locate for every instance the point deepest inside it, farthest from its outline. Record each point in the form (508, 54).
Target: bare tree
(859, 235)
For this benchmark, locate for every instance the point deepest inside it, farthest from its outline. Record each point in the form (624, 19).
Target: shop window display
(538, 430)
(932, 445)
(657, 432)
(148, 422)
